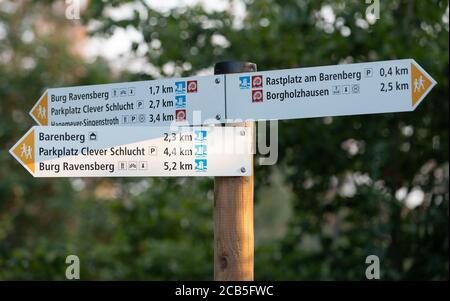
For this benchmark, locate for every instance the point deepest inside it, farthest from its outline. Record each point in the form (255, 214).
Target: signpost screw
(217, 80)
(218, 117)
(242, 133)
(243, 169)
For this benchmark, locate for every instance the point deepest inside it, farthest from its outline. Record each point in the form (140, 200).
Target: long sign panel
(135, 151)
(193, 101)
(353, 89)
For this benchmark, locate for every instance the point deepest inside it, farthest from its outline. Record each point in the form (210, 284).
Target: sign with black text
(351, 89)
(135, 151)
(193, 101)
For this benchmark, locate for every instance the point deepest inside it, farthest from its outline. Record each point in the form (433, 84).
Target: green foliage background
(319, 212)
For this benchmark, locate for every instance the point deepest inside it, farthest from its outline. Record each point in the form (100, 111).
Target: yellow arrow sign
(40, 110)
(24, 151)
(421, 83)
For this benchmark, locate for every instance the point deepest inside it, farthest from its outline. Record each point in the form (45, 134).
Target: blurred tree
(38, 48)
(370, 185)
(357, 199)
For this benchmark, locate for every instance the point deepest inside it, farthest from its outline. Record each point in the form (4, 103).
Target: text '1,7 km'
(152, 103)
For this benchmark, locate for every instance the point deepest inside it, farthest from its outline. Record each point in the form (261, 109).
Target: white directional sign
(352, 89)
(82, 138)
(367, 88)
(193, 100)
(135, 151)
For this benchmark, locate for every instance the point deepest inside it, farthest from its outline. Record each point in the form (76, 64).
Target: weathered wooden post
(233, 210)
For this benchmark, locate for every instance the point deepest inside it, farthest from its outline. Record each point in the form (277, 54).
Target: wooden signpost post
(233, 210)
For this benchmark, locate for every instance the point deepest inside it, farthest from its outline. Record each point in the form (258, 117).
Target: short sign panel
(193, 101)
(353, 89)
(135, 151)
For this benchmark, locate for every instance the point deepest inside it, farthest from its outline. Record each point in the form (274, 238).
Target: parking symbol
(140, 104)
(368, 72)
(153, 151)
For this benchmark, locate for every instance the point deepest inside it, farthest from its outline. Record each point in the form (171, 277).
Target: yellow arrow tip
(24, 151)
(421, 84)
(40, 111)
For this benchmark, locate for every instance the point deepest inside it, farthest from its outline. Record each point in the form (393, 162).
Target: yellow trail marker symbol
(24, 151)
(420, 84)
(40, 110)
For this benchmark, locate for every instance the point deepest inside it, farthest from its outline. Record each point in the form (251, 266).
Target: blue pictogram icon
(200, 135)
(180, 87)
(244, 82)
(180, 101)
(200, 150)
(201, 165)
